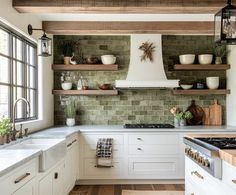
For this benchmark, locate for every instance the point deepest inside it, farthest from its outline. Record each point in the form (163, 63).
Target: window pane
(32, 77)
(17, 73)
(4, 42)
(4, 70)
(4, 96)
(32, 102)
(31, 61)
(19, 51)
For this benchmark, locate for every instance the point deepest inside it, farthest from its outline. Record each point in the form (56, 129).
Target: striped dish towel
(104, 157)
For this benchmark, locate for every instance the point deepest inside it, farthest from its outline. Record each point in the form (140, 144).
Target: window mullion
(11, 100)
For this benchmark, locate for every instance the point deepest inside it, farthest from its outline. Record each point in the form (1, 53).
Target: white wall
(231, 76)
(46, 104)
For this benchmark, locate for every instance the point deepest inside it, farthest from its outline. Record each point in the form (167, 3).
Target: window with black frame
(18, 75)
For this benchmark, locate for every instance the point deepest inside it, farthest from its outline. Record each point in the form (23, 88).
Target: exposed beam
(166, 28)
(121, 6)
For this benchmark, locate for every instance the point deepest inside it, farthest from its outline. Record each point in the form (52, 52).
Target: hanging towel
(104, 156)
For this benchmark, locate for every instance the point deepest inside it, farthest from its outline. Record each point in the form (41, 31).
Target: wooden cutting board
(206, 118)
(215, 112)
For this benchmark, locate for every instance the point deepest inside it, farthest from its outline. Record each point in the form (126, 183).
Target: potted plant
(219, 52)
(70, 113)
(67, 51)
(183, 116)
(175, 110)
(5, 126)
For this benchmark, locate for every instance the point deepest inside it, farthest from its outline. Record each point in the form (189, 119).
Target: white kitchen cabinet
(19, 179)
(199, 182)
(71, 163)
(28, 189)
(53, 182)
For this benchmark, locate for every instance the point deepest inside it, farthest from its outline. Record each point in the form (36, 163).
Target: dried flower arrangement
(148, 49)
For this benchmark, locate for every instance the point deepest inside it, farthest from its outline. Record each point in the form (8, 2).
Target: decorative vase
(70, 122)
(67, 60)
(218, 60)
(2, 139)
(182, 123)
(176, 122)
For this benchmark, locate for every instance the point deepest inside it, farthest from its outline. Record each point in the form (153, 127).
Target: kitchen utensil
(108, 59)
(213, 82)
(215, 114)
(186, 86)
(197, 112)
(66, 85)
(105, 86)
(206, 118)
(91, 60)
(205, 58)
(187, 59)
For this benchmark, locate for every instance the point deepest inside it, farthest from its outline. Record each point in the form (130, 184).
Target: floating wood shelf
(199, 67)
(201, 92)
(85, 92)
(81, 67)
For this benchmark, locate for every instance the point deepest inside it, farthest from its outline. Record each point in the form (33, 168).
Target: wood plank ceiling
(118, 6)
(123, 7)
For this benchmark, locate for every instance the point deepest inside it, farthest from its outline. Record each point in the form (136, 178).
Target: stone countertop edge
(19, 163)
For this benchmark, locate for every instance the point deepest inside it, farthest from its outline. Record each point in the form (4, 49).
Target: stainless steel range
(205, 152)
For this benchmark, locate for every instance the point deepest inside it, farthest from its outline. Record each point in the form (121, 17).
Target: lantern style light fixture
(44, 43)
(225, 25)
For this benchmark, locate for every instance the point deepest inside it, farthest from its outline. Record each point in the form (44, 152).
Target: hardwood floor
(117, 189)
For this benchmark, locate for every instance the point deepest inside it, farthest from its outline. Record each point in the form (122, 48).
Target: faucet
(14, 131)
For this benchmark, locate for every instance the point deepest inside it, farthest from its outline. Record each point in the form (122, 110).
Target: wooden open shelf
(83, 67)
(199, 67)
(86, 92)
(201, 92)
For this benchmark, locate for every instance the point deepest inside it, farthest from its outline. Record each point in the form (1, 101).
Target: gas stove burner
(225, 143)
(148, 126)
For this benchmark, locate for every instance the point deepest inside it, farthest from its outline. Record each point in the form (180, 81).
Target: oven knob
(206, 163)
(200, 159)
(187, 150)
(196, 156)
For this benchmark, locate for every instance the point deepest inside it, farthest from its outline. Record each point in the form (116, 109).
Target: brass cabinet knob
(205, 163)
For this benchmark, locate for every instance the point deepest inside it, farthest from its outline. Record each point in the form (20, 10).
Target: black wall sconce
(44, 43)
(225, 25)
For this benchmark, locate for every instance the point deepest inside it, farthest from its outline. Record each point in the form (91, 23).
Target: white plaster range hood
(146, 74)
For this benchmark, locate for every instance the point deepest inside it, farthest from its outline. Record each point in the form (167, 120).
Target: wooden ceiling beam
(121, 6)
(165, 28)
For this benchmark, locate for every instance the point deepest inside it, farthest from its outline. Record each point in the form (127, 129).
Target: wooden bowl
(105, 86)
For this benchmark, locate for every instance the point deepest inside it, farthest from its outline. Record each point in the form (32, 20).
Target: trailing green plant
(5, 125)
(70, 109)
(220, 50)
(183, 116)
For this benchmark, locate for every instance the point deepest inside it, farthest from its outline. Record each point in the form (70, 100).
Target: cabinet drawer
(90, 151)
(19, 177)
(90, 170)
(229, 175)
(158, 168)
(154, 139)
(153, 150)
(92, 139)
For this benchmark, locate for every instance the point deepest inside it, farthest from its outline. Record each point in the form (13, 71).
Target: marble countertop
(10, 159)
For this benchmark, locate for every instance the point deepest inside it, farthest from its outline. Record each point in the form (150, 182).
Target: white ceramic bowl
(213, 82)
(66, 86)
(185, 86)
(205, 58)
(108, 59)
(187, 59)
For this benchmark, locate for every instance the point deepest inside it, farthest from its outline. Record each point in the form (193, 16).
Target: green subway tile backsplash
(132, 106)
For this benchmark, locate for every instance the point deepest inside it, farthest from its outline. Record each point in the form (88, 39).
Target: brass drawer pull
(22, 178)
(234, 181)
(197, 174)
(139, 149)
(74, 141)
(68, 145)
(139, 138)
